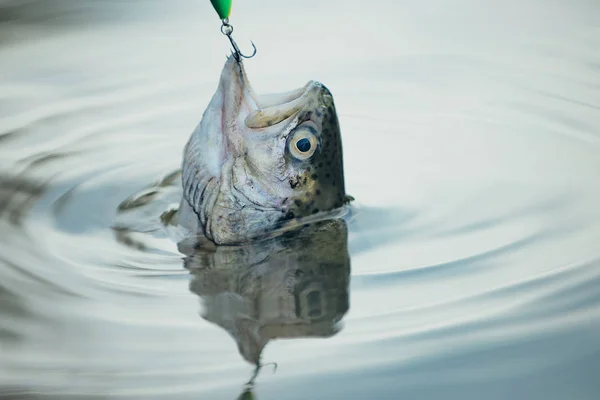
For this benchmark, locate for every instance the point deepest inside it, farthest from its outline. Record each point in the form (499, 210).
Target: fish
(257, 162)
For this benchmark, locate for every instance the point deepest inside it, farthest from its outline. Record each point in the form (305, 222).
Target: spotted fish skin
(318, 183)
(257, 162)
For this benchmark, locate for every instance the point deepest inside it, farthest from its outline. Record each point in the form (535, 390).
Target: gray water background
(472, 147)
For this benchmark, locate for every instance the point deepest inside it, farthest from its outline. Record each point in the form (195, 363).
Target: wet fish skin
(245, 171)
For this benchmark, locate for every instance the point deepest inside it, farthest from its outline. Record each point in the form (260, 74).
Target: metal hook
(227, 30)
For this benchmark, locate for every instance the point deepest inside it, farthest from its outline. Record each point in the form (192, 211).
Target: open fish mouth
(260, 111)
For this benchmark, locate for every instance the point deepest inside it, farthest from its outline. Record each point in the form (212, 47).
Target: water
(468, 268)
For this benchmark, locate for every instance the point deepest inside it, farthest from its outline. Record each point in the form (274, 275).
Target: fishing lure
(223, 9)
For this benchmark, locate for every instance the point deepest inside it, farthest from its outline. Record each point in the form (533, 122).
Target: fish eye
(303, 143)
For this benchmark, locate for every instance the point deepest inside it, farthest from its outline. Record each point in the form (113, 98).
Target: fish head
(279, 156)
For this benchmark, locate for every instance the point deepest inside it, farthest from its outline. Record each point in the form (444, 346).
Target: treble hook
(227, 30)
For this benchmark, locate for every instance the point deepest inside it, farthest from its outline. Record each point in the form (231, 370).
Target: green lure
(222, 7)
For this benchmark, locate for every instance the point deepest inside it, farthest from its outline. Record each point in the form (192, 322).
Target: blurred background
(471, 144)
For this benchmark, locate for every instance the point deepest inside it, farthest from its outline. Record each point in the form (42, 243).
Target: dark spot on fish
(299, 273)
(316, 210)
(308, 169)
(319, 113)
(317, 192)
(314, 176)
(302, 258)
(297, 202)
(320, 164)
(289, 215)
(294, 182)
(327, 175)
(338, 205)
(307, 194)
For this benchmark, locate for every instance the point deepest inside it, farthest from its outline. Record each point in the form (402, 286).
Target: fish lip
(237, 75)
(282, 107)
(235, 82)
(267, 101)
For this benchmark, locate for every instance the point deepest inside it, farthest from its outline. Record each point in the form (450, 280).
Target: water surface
(468, 267)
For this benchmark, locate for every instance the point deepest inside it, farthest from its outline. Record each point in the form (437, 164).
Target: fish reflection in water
(291, 286)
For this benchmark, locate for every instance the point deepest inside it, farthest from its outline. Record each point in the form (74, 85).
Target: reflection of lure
(223, 9)
(247, 395)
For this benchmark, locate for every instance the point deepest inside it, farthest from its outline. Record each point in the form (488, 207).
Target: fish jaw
(225, 215)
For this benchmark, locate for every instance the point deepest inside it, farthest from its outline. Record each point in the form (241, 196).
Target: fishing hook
(227, 30)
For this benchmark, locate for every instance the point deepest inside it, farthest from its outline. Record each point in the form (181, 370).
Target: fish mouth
(258, 112)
